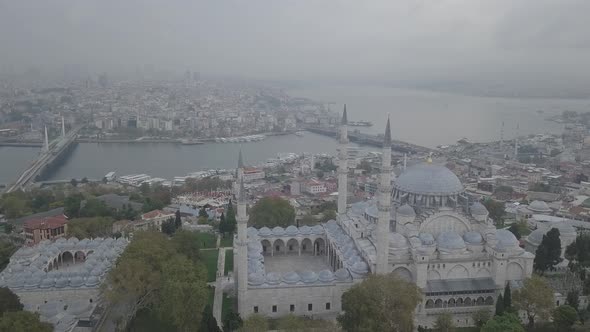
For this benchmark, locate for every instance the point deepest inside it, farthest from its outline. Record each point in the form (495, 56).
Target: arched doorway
(293, 247)
(67, 258)
(306, 247)
(319, 247)
(279, 247)
(80, 256)
(266, 247)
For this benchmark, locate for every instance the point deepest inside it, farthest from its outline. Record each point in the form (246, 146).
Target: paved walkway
(218, 299)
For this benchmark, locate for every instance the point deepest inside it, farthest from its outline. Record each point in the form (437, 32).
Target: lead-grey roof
(460, 285)
(429, 179)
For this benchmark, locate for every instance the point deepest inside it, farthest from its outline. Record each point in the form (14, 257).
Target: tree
(177, 220)
(183, 293)
(230, 219)
(307, 219)
(9, 301)
(271, 212)
(328, 215)
(72, 205)
(209, 323)
(203, 212)
(496, 210)
(93, 207)
(8, 228)
(255, 323)
(579, 251)
(380, 303)
(74, 182)
(84, 180)
(564, 317)
(444, 323)
(168, 227)
(90, 227)
(14, 206)
(232, 321)
(480, 317)
(187, 243)
(573, 299)
(535, 298)
(548, 253)
(507, 298)
(504, 323)
(23, 321)
(500, 305)
(7, 248)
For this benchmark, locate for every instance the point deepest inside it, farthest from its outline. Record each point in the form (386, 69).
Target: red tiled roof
(154, 214)
(45, 223)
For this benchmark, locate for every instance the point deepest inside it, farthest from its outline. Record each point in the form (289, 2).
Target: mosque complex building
(422, 226)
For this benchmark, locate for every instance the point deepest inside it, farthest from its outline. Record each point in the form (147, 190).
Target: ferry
(360, 123)
(190, 141)
(240, 139)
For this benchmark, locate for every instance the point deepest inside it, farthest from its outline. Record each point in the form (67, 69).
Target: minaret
(502, 135)
(384, 205)
(63, 127)
(343, 165)
(516, 142)
(405, 161)
(46, 142)
(242, 245)
(239, 173)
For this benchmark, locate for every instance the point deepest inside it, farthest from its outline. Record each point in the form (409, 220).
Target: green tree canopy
(535, 298)
(496, 210)
(500, 305)
(255, 323)
(573, 299)
(444, 323)
(507, 298)
(90, 227)
(23, 321)
(271, 212)
(548, 254)
(6, 250)
(380, 303)
(504, 323)
(480, 317)
(9, 301)
(564, 317)
(579, 250)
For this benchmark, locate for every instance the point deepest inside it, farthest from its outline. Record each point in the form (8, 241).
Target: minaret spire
(46, 142)
(63, 127)
(384, 205)
(405, 161)
(242, 252)
(343, 165)
(516, 142)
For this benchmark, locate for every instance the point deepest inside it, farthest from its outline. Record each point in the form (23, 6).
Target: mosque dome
(47, 283)
(291, 277)
(473, 237)
(536, 236)
(61, 282)
(292, 230)
(428, 179)
(342, 274)
(565, 229)
(305, 230)
(92, 281)
(450, 240)
(278, 231)
(309, 277)
(326, 276)
(76, 282)
(506, 240)
(265, 231)
(406, 211)
(273, 278)
(478, 209)
(255, 279)
(317, 229)
(252, 232)
(397, 241)
(426, 239)
(360, 268)
(539, 207)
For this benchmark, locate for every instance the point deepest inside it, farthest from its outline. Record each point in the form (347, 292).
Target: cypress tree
(507, 297)
(177, 220)
(499, 305)
(549, 252)
(230, 218)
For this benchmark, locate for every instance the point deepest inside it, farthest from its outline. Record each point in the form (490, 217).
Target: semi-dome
(539, 207)
(473, 237)
(360, 268)
(450, 240)
(536, 236)
(397, 241)
(273, 278)
(406, 211)
(478, 209)
(255, 279)
(506, 240)
(429, 179)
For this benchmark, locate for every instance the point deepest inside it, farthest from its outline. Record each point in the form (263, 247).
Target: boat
(360, 123)
(190, 141)
(299, 133)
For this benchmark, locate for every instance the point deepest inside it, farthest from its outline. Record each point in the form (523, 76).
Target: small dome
(47, 283)
(326, 276)
(255, 279)
(16, 282)
(397, 241)
(478, 209)
(291, 277)
(426, 238)
(539, 207)
(372, 211)
(92, 281)
(450, 240)
(73, 240)
(506, 240)
(406, 211)
(252, 232)
(473, 237)
(309, 277)
(360, 268)
(278, 231)
(265, 231)
(342, 274)
(76, 282)
(32, 282)
(273, 278)
(61, 282)
(428, 179)
(305, 230)
(292, 230)
(536, 236)
(317, 229)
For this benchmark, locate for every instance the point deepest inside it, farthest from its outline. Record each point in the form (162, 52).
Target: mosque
(422, 226)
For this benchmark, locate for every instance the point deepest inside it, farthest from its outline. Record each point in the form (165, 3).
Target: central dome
(429, 179)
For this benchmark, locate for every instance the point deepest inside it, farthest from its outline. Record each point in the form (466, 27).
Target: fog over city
(304, 39)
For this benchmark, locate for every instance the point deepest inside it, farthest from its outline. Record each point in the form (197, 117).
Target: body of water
(420, 117)
(431, 118)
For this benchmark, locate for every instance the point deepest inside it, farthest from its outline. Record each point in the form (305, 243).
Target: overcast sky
(303, 39)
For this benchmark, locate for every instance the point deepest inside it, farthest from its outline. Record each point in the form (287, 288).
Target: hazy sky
(302, 39)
